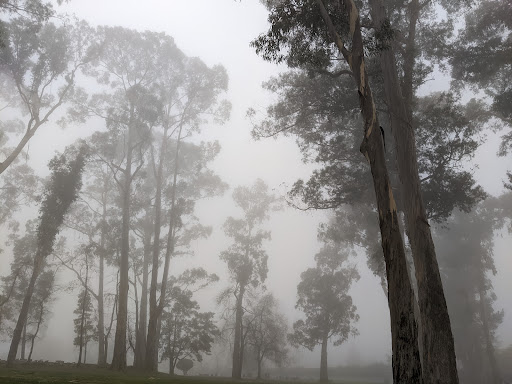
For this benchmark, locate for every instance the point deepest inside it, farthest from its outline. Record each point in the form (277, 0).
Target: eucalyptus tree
(302, 33)
(323, 297)
(60, 192)
(39, 66)
(246, 258)
(189, 92)
(126, 69)
(192, 181)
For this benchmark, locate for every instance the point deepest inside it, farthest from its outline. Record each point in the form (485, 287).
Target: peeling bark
(406, 358)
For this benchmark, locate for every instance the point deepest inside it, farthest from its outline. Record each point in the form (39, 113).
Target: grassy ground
(27, 374)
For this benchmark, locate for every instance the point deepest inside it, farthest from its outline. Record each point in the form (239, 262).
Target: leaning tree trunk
(119, 354)
(23, 342)
(406, 358)
(438, 351)
(22, 318)
(324, 378)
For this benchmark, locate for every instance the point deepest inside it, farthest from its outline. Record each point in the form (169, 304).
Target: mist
(247, 146)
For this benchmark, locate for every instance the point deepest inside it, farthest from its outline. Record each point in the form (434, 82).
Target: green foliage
(84, 323)
(61, 191)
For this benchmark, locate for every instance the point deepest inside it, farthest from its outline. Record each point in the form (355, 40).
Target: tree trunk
(260, 360)
(22, 318)
(406, 358)
(438, 351)
(324, 378)
(119, 354)
(102, 358)
(23, 342)
(236, 371)
(143, 315)
(155, 309)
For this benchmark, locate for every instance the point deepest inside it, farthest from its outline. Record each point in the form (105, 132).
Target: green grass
(37, 374)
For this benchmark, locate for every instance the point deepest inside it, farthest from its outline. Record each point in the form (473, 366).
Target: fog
(219, 33)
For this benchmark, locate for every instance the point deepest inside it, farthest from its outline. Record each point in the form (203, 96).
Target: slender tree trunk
(324, 378)
(102, 358)
(33, 339)
(23, 342)
(143, 315)
(236, 371)
(438, 351)
(22, 318)
(259, 365)
(119, 354)
(406, 359)
(155, 309)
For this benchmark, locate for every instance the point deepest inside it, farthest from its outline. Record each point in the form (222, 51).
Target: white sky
(219, 32)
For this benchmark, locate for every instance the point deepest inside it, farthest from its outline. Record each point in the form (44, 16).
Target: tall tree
(306, 25)
(246, 259)
(189, 92)
(324, 299)
(62, 189)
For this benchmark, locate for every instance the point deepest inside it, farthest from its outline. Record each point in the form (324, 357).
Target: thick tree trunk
(324, 378)
(259, 360)
(406, 359)
(85, 352)
(438, 351)
(236, 370)
(22, 318)
(119, 354)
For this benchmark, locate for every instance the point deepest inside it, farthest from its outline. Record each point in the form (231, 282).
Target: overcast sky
(219, 32)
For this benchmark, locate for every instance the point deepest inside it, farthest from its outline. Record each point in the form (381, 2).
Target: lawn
(32, 374)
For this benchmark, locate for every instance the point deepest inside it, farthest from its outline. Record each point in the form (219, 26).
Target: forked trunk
(119, 354)
(438, 351)
(406, 358)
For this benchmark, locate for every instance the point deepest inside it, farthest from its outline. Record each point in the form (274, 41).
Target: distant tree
(324, 299)
(186, 332)
(246, 259)
(267, 332)
(467, 244)
(38, 70)
(185, 365)
(61, 191)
